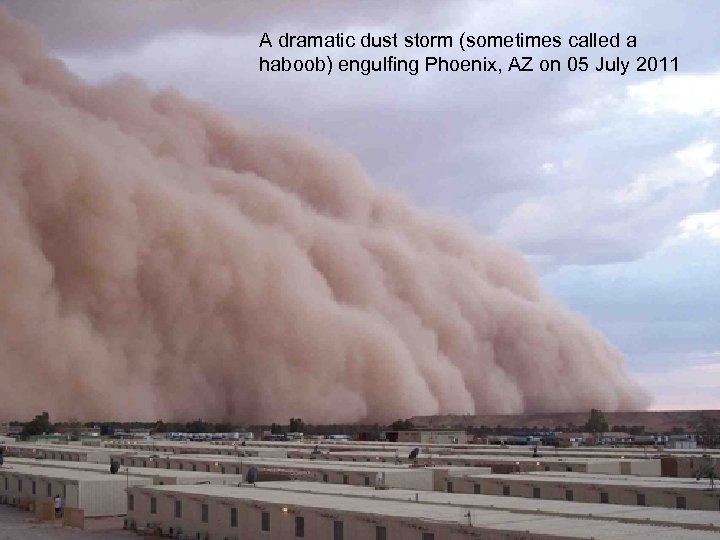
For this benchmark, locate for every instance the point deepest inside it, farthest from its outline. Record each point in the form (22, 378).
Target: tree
(707, 470)
(597, 423)
(706, 429)
(402, 425)
(38, 425)
(198, 426)
(296, 425)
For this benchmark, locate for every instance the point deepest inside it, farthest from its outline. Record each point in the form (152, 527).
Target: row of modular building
(97, 494)
(616, 489)
(358, 474)
(209, 512)
(626, 462)
(504, 463)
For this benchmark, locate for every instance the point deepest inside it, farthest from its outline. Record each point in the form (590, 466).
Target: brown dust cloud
(160, 260)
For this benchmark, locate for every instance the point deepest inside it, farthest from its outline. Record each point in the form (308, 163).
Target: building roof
(69, 475)
(492, 519)
(514, 504)
(595, 480)
(102, 468)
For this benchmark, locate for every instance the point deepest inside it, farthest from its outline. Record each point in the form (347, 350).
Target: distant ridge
(652, 420)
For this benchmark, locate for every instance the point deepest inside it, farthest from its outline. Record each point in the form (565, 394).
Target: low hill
(652, 420)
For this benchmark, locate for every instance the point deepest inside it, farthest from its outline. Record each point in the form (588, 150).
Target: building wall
(656, 496)
(107, 498)
(318, 523)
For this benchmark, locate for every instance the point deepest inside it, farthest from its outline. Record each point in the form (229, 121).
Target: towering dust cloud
(158, 260)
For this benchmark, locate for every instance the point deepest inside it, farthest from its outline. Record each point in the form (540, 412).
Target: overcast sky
(609, 183)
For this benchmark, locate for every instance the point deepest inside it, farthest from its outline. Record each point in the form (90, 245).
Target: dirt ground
(16, 525)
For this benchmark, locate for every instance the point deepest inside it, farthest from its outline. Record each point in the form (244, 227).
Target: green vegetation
(40, 425)
(597, 423)
(402, 425)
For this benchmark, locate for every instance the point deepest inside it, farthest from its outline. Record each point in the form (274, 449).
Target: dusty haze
(159, 260)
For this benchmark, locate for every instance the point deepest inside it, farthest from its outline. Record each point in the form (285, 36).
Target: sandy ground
(16, 525)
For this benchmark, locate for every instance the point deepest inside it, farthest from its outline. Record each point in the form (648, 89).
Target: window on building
(19, 485)
(428, 536)
(33, 487)
(367, 480)
(237, 470)
(180, 466)
(681, 503)
(449, 487)
(325, 478)
(506, 490)
(604, 498)
(178, 509)
(222, 470)
(569, 495)
(131, 502)
(346, 480)
(153, 505)
(265, 521)
(536, 492)
(207, 468)
(49, 488)
(338, 532)
(547, 468)
(167, 465)
(233, 517)
(477, 489)
(204, 513)
(6, 484)
(568, 469)
(144, 463)
(299, 527)
(640, 499)
(380, 533)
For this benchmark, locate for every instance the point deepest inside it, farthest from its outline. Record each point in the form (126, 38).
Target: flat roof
(513, 504)
(103, 468)
(71, 475)
(604, 480)
(290, 462)
(497, 520)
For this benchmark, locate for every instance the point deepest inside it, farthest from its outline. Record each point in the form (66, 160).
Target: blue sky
(609, 184)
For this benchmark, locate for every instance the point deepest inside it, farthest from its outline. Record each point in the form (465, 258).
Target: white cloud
(694, 95)
(693, 164)
(706, 223)
(548, 168)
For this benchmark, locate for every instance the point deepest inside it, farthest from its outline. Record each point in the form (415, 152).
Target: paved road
(16, 525)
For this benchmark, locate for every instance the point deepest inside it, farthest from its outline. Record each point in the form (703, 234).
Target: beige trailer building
(159, 476)
(688, 466)
(507, 464)
(349, 473)
(428, 436)
(95, 493)
(64, 452)
(183, 447)
(594, 489)
(219, 513)
(692, 519)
